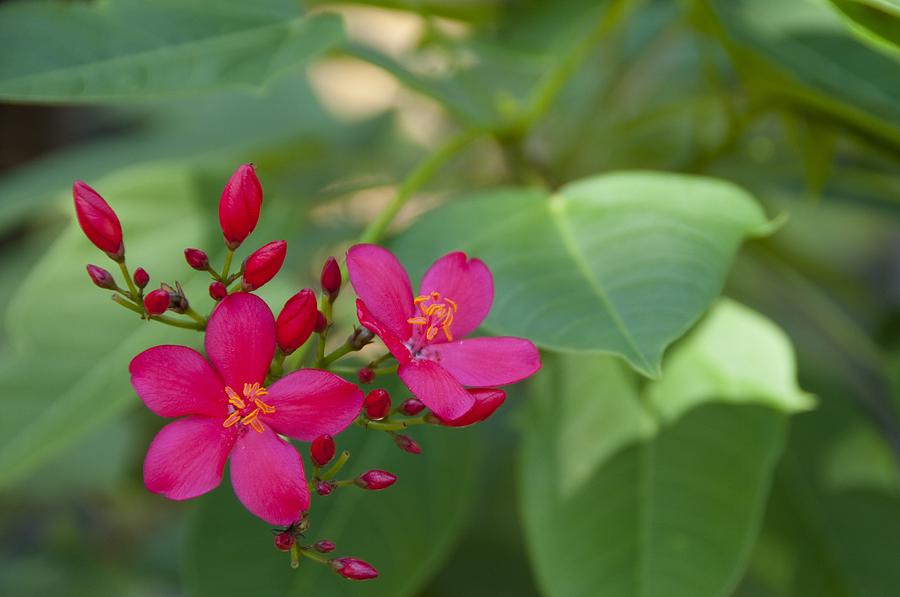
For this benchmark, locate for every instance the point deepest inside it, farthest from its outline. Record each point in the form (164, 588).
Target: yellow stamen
(252, 395)
(234, 399)
(265, 408)
(436, 316)
(232, 419)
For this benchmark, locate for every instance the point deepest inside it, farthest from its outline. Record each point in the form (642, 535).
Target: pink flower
(426, 333)
(226, 411)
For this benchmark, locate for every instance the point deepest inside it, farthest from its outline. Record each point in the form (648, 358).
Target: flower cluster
(244, 400)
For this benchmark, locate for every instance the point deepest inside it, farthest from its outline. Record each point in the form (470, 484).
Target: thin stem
(312, 555)
(131, 287)
(228, 257)
(334, 355)
(391, 425)
(127, 303)
(178, 323)
(196, 316)
(379, 360)
(336, 467)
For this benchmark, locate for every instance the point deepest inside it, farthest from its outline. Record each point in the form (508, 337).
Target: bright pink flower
(226, 411)
(426, 333)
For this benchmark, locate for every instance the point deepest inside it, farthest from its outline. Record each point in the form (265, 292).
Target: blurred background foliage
(721, 477)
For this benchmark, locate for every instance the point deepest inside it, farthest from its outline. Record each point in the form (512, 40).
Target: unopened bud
(487, 401)
(98, 221)
(412, 407)
(375, 480)
(407, 444)
(141, 278)
(321, 323)
(239, 205)
(365, 375)
(331, 278)
(353, 568)
(217, 291)
(324, 488)
(284, 541)
(296, 321)
(324, 546)
(377, 404)
(156, 302)
(322, 450)
(101, 277)
(197, 259)
(262, 265)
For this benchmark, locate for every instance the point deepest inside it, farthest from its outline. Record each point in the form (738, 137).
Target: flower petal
(267, 476)
(187, 456)
(240, 339)
(176, 380)
(309, 403)
(486, 362)
(394, 343)
(383, 285)
(434, 386)
(468, 283)
(487, 400)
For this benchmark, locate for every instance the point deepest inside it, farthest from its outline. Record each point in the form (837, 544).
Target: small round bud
(377, 404)
(296, 321)
(98, 221)
(375, 480)
(217, 291)
(284, 541)
(353, 568)
(412, 407)
(407, 444)
(365, 375)
(324, 488)
(262, 265)
(331, 278)
(324, 546)
(197, 259)
(156, 302)
(101, 277)
(322, 450)
(321, 323)
(239, 205)
(141, 278)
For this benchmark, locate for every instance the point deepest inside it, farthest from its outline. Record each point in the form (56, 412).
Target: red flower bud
(412, 407)
(324, 488)
(101, 277)
(321, 323)
(197, 259)
(331, 278)
(262, 265)
(141, 277)
(365, 375)
(375, 480)
(487, 400)
(322, 450)
(296, 321)
(239, 205)
(98, 220)
(407, 444)
(217, 291)
(353, 568)
(284, 541)
(324, 546)
(156, 302)
(377, 404)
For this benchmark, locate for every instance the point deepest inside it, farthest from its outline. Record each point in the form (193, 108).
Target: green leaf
(876, 22)
(127, 49)
(618, 264)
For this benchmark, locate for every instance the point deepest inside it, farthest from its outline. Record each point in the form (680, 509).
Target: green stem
(390, 425)
(127, 303)
(196, 317)
(312, 555)
(228, 257)
(187, 325)
(336, 467)
(379, 360)
(334, 355)
(135, 295)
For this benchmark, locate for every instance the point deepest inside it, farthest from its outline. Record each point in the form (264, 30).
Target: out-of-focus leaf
(132, 50)
(464, 10)
(875, 21)
(619, 264)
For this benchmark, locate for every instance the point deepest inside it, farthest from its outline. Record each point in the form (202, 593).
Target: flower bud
(375, 480)
(407, 444)
(197, 259)
(321, 323)
(487, 400)
(284, 541)
(296, 321)
(365, 375)
(98, 221)
(359, 338)
(322, 450)
(239, 205)
(324, 488)
(412, 407)
(101, 277)
(353, 568)
(217, 291)
(156, 302)
(324, 546)
(331, 278)
(262, 265)
(141, 278)
(377, 404)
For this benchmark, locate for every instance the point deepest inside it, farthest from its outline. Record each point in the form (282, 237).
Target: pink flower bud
(296, 321)
(324, 488)
(217, 291)
(412, 407)
(239, 205)
(365, 375)
(321, 323)
(284, 541)
(407, 444)
(156, 302)
(141, 277)
(324, 546)
(375, 480)
(331, 278)
(262, 265)
(98, 220)
(101, 277)
(377, 404)
(322, 450)
(487, 400)
(353, 568)
(197, 259)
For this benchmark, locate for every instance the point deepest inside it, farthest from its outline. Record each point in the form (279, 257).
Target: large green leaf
(874, 21)
(672, 510)
(128, 49)
(622, 263)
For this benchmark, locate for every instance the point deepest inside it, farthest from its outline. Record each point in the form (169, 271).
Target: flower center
(247, 409)
(436, 314)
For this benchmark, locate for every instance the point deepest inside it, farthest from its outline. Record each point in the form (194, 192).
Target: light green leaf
(617, 264)
(130, 50)
(876, 22)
